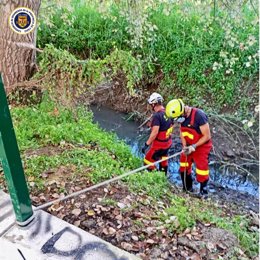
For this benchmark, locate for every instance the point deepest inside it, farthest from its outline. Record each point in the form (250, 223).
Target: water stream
(127, 130)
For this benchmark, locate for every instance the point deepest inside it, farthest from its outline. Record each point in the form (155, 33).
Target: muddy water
(127, 130)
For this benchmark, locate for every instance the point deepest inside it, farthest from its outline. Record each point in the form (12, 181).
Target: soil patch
(130, 221)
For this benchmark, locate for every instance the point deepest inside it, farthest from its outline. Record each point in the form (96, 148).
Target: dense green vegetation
(206, 54)
(97, 155)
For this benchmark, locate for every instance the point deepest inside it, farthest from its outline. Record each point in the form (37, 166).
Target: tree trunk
(17, 51)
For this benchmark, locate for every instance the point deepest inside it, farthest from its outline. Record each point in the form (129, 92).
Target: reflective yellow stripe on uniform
(147, 162)
(164, 157)
(191, 136)
(202, 172)
(184, 164)
(169, 132)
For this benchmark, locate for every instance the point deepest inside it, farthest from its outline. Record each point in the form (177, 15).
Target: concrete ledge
(7, 217)
(12, 251)
(49, 237)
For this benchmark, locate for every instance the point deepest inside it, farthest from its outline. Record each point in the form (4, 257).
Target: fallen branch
(145, 122)
(239, 167)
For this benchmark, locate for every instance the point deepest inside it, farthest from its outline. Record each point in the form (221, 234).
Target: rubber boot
(164, 169)
(203, 189)
(186, 181)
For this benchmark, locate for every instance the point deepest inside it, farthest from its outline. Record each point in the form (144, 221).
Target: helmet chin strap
(187, 111)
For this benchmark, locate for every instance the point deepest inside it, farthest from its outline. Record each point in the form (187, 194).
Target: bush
(199, 52)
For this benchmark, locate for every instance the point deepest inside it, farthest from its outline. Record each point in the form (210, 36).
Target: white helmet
(155, 98)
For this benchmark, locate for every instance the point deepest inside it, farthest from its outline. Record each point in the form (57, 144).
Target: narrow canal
(127, 130)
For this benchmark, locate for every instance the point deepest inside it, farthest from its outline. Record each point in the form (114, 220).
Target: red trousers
(200, 158)
(156, 153)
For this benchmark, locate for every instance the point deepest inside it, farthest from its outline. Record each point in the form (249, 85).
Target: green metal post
(12, 164)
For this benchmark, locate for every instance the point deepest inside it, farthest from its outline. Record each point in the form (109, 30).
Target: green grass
(46, 124)
(108, 202)
(152, 183)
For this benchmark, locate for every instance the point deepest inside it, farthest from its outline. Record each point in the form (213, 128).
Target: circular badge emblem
(22, 20)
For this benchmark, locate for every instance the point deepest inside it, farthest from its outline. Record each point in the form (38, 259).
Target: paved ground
(48, 237)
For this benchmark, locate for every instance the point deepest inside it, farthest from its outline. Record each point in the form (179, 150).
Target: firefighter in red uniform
(196, 141)
(160, 139)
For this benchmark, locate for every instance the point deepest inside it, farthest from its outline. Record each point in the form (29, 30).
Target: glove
(144, 148)
(189, 149)
(180, 119)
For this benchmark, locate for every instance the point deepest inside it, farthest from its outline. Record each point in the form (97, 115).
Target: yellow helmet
(174, 108)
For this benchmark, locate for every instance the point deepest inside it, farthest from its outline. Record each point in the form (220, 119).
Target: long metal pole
(77, 193)
(12, 164)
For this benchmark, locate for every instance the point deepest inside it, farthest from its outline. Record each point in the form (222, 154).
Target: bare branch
(26, 45)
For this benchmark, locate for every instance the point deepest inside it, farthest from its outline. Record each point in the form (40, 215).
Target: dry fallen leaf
(164, 232)
(121, 205)
(105, 231)
(203, 252)
(43, 198)
(195, 256)
(55, 195)
(210, 246)
(221, 246)
(126, 246)
(150, 241)
(51, 182)
(76, 212)
(76, 223)
(55, 111)
(77, 204)
(77, 188)
(135, 238)
(188, 236)
(56, 207)
(35, 199)
(111, 231)
(186, 231)
(138, 214)
(44, 175)
(91, 212)
(150, 230)
(120, 223)
(198, 237)
(119, 217)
